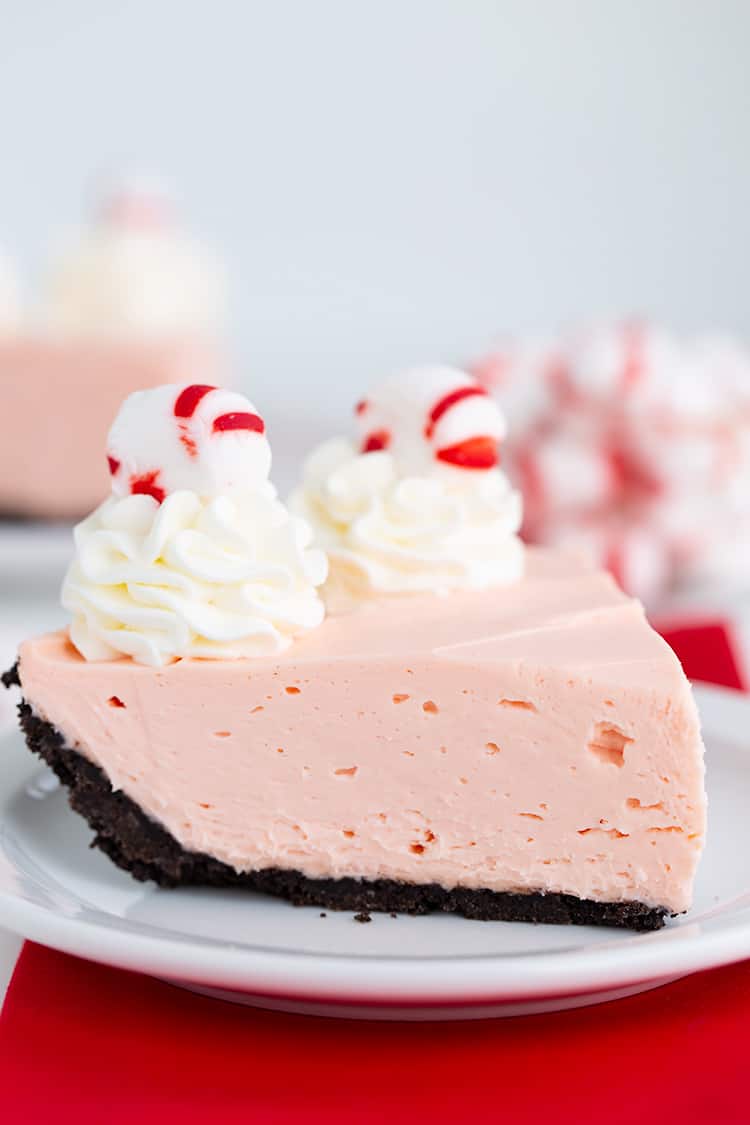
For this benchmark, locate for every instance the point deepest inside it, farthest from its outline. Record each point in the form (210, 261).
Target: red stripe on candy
(634, 367)
(145, 485)
(361, 406)
(446, 402)
(113, 463)
(614, 562)
(187, 400)
(188, 440)
(562, 384)
(377, 440)
(532, 487)
(239, 421)
(475, 453)
(631, 479)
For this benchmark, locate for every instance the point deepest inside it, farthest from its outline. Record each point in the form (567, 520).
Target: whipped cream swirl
(386, 532)
(220, 577)
(135, 273)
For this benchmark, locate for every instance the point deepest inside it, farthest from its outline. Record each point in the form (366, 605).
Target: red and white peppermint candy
(610, 364)
(197, 437)
(669, 417)
(134, 202)
(429, 415)
(562, 472)
(637, 555)
(516, 376)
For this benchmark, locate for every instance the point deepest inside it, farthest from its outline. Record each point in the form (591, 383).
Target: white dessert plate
(262, 951)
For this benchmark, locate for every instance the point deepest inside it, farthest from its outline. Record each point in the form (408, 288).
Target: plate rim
(472, 978)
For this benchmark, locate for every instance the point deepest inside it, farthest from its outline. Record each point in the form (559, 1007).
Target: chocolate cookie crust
(141, 846)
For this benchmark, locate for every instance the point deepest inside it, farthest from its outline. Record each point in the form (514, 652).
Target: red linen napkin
(81, 1042)
(709, 651)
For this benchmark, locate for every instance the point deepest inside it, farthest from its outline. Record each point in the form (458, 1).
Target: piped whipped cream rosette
(192, 555)
(134, 273)
(632, 444)
(417, 501)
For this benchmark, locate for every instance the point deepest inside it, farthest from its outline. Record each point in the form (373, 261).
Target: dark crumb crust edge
(141, 846)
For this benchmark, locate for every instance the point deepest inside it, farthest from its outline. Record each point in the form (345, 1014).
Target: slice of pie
(475, 728)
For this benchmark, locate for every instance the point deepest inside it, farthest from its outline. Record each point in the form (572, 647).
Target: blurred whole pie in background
(634, 445)
(133, 302)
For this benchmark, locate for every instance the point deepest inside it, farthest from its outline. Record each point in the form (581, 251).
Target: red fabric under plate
(708, 651)
(88, 1044)
(80, 1042)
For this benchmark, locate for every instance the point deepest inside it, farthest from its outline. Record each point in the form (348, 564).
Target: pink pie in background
(131, 303)
(59, 398)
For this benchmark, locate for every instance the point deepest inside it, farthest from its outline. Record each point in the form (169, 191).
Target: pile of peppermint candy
(634, 446)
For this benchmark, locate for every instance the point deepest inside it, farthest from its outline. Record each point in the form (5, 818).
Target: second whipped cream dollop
(390, 529)
(193, 555)
(418, 503)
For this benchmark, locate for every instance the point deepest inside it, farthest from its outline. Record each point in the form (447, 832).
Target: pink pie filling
(535, 737)
(59, 399)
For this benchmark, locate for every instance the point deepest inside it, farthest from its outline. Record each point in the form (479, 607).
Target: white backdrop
(397, 180)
